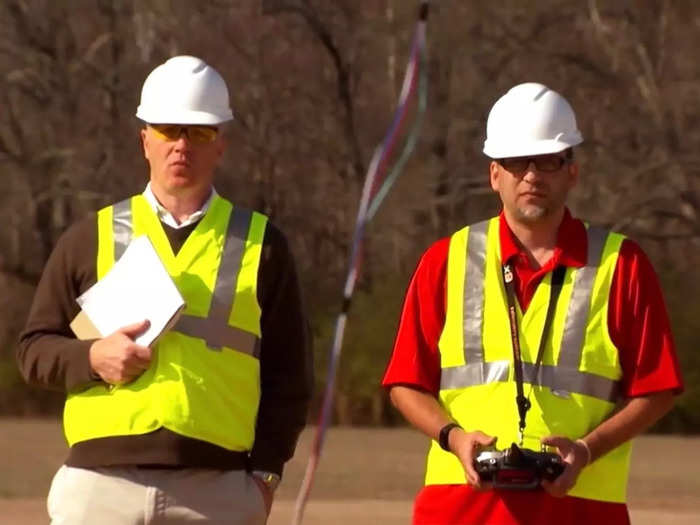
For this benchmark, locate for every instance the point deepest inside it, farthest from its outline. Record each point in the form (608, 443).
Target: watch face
(270, 479)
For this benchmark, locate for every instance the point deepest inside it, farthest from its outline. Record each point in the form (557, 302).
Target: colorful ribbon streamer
(373, 193)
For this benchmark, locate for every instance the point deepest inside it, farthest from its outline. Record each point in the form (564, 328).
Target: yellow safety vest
(204, 379)
(577, 385)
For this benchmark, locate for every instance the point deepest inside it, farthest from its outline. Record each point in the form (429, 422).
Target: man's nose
(531, 171)
(183, 141)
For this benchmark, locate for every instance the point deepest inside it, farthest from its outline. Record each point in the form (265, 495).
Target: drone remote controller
(517, 468)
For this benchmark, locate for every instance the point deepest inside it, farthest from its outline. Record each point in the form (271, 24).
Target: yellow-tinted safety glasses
(195, 133)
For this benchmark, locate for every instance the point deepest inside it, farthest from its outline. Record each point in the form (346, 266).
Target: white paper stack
(137, 287)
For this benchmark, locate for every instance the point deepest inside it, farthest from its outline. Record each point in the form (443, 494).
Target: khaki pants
(138, 496)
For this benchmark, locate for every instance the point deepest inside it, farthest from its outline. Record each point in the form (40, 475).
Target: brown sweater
(49, 356)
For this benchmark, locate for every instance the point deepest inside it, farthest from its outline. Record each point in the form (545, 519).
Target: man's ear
(221, 143)
(494, 175)
(144, 140)
(573, 174)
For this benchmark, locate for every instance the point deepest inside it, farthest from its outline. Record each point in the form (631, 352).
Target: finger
(141, 365)
(485, 485)
(142, 353)
(108, 377)
(483, 439)
(475, 484)
(138, 357)
(135, 365)
(548, 487)
(472, 475)
(559, 489)
(135, 329)
(131, 374)
(553, 488)
(561, 485)
(555, 441)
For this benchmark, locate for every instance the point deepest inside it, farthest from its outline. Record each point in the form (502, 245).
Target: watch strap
(443, 437)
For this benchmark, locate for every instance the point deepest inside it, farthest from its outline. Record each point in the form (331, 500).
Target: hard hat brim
(495, 150)
(166, 116)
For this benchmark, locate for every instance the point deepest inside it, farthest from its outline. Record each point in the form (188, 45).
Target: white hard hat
(530, 119)
(184, 90)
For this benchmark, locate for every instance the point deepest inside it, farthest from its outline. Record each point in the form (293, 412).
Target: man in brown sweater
(198, 427)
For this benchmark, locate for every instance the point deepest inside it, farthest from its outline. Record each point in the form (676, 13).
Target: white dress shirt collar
(167, 218)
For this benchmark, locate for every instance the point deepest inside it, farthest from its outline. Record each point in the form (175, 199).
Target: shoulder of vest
(243, 208)
(482, 221)
(602, 231)
(120, 201)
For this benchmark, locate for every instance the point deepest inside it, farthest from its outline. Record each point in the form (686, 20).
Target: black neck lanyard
(520, 399)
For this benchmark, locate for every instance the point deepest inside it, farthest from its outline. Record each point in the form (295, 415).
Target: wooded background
(313, 84)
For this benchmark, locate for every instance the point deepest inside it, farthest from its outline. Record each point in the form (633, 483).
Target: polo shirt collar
(572, 242)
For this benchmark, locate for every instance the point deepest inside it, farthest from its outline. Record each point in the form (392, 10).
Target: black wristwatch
(443, 437)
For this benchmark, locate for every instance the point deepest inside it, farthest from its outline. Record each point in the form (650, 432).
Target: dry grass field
(365, 476)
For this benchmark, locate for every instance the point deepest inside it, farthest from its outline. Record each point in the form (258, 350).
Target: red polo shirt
(639, 328)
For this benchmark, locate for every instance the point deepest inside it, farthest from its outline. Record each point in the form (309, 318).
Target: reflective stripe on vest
(214, 328)
(565, 380)
(122, 224)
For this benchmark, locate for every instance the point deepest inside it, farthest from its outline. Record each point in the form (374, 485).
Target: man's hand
(575, 457)
(117, 359)
(466, 446)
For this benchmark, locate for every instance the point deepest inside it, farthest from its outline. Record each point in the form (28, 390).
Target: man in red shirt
(598, 365)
